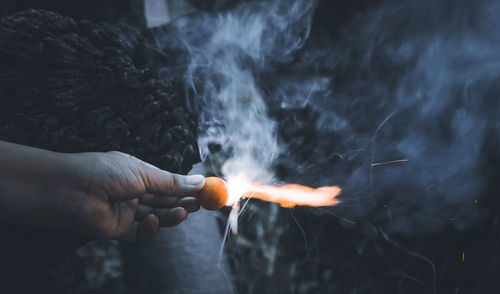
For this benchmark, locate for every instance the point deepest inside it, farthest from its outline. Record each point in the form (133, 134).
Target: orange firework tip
(213, 196)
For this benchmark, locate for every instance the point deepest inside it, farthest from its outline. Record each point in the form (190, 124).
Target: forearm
(35, 185)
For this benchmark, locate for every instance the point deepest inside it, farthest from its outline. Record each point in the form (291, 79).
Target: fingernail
(195, 180)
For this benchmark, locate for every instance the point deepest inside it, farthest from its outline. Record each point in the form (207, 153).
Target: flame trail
(288, 196)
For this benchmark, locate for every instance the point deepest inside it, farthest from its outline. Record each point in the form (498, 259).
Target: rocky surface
(79, 86)
(110, 11)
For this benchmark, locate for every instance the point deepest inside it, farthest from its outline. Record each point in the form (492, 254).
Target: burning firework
(217, 193)
(213, 196)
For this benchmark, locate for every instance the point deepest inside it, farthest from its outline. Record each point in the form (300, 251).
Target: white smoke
(408, 79)
(221, 75)
(414, 80)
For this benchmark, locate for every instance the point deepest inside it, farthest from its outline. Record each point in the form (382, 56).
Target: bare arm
(104, 195)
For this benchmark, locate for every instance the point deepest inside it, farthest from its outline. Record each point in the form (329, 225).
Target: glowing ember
(388, 162)
(287, 195)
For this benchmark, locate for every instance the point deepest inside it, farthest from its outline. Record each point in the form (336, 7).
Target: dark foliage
(79, 86)
(111, 11)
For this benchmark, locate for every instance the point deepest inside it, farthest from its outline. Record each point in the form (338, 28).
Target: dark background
(317, 251)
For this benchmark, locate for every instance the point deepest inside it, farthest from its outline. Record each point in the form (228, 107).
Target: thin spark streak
(388, 162)
(451, 218)
(339, 217)
(414, 254)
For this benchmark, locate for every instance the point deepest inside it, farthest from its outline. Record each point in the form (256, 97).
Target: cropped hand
(108, 195)
(125, 198)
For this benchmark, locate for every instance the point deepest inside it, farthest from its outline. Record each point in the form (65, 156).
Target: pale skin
(109, 195)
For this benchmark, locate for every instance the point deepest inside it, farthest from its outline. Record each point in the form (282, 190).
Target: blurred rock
(74, 86)
(109, 11)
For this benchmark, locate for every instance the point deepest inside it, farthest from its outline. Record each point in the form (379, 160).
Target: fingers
(173, 217)
(167, 217)
(144, 230)
(160, 182)
(147, 227)
(191, 204)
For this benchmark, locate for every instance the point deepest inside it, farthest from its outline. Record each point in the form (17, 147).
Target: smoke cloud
(281, 99)
(226, 53)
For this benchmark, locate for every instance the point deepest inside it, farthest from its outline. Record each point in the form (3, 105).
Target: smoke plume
(283, 100)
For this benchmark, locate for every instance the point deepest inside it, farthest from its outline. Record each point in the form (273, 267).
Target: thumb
(160, 182)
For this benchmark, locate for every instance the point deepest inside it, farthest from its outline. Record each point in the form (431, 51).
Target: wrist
(70, 186)
(39, 187)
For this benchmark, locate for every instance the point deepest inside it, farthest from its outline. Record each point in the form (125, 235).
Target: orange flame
(287, 196)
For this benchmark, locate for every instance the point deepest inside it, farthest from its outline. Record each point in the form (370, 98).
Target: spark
(388, 162)
(339, 217)
(414, 254)
(451, 218)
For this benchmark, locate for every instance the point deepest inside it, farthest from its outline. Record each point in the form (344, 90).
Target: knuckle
(175, 184)
(115, 152)
(121, 154)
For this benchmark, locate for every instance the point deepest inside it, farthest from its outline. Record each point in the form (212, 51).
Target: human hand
(124, 198)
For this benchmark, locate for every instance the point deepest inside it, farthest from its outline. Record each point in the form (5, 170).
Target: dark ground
(74, 86)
